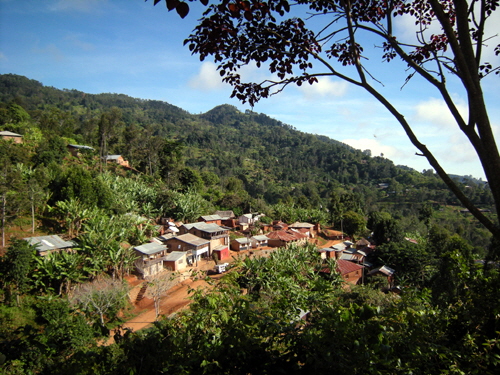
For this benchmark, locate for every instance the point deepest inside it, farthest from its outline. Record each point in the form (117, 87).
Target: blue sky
(134, 48)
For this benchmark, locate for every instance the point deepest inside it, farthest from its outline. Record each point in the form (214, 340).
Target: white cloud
(406, 30)
(376, 147)
(434, 112)
(207, 79)
(491, 31)
(3, 57)
(325, 87)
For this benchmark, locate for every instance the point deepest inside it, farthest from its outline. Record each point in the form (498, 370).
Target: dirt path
(175, 299)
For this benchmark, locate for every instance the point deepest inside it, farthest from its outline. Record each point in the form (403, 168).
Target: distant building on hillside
(118, 159)
(48, 244)
(7, 135)
(76, 150)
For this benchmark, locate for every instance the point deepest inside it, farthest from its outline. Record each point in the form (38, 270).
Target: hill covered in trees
(273, 161)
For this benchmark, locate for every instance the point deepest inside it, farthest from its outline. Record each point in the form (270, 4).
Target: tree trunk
(4, 204)
(32, 215)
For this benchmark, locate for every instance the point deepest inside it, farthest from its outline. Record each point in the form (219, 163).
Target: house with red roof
(351, 272)
(283, 238)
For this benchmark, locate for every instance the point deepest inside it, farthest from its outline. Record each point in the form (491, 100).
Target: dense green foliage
(291, 319)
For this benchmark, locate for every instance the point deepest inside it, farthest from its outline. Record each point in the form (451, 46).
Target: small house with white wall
(150, 258)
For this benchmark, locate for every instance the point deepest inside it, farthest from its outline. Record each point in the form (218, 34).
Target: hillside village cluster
(179, 245)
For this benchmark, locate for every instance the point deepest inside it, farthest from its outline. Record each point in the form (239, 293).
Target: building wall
(177, 245)
(222, 254)
(14, 139)
(276, 243)
(177, 265)
(217, 242)
(353, 277)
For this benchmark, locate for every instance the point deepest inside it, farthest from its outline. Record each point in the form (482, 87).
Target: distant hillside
(271, 158)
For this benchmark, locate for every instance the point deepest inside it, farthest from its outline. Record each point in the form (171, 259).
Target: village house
(169, 228)
(265, 227)
(76, 150)
(225, 214)
(327, 253)
(260, 241)
(150, 258)
(48, 244)
(282, 238)
(336, 235)
(194, 246)
(214, 233)
(304, 228)
(211, 219)
(385, 272)
(14, 137)
(245, 221)
(243, 243)
(228, 218)
(118, 159)
(221, 252)
(351, 272)
(357, 256)
(362, 243)
(176, 261)
(279, 225)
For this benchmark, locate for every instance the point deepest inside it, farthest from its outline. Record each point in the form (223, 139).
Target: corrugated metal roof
(383, 270)
(345, 267)
(205, 227)
(220, 248)
(347, 256)
(261, 237)
(151, 248)
(339, 247)
(243, 240)
(285, 235)
(326, 250)
(81, 147)
(175, 256)
(211, 217)
(225, 214)
(301, 225)
(191, 239)
(7, 133)
(47, 243)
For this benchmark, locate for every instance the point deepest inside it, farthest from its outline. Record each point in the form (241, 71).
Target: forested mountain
(273, 160)
(227, 141)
